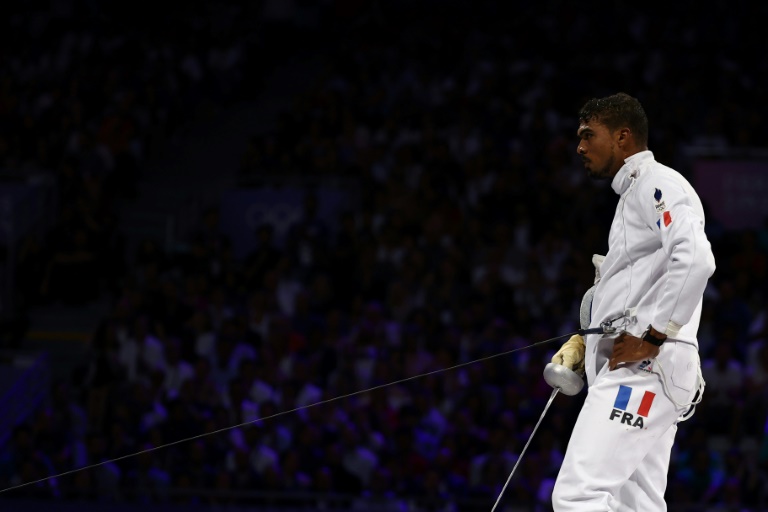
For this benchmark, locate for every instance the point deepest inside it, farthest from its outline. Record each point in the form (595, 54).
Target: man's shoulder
(655, 175)
(656, 169)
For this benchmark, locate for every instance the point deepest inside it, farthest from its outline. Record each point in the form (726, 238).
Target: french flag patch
(630, 408)
(667, 219)
(625, 394)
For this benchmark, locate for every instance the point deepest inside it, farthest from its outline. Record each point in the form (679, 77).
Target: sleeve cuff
(597, 260)
(672, 329)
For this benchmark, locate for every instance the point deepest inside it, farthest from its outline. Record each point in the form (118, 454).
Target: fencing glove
(571, 354)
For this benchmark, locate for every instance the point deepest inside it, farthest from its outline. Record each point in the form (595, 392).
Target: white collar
(629, 170)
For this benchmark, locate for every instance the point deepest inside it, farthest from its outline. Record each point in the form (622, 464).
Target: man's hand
(631, 349)
(571, 354)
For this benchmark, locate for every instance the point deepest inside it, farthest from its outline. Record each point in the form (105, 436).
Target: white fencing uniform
(655, 272)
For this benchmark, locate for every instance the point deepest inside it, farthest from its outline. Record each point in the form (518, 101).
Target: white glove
(597, 260)
(571, 354)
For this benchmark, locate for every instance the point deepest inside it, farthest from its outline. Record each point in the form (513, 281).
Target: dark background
(216, 212)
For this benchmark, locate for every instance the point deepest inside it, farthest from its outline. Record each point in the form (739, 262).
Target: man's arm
(668, 209)
(680, 228)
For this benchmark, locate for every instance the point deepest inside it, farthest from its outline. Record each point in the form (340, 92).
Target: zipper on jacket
(633, 178)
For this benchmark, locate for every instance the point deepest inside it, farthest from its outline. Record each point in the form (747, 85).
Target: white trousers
(618, 455)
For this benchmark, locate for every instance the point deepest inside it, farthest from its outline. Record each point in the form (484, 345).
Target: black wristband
(650, 338)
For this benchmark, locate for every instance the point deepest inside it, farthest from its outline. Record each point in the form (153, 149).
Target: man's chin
(595, 175)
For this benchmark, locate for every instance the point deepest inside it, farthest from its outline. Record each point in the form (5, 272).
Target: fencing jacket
(659, 259)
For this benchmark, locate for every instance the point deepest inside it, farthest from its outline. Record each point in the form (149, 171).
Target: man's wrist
(653, 336)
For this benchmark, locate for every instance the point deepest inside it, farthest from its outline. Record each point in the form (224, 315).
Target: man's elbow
(707, 260)
(711, 264)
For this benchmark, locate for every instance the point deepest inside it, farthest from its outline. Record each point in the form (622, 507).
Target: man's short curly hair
(618, 111)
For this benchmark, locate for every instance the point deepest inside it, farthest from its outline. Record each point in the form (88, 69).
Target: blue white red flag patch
(626, 402)
(625, 393)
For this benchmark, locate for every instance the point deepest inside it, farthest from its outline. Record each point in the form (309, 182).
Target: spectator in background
(724, 375)
(177, 371)
(733, 314)
(148, 482)
(263, 259)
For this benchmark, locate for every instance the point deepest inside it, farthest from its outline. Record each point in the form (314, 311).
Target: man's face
(597, 149)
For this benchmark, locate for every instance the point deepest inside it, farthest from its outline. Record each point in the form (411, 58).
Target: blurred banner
(736, 192)
(244, 210)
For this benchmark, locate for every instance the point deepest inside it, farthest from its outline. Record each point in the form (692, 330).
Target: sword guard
(564, 379)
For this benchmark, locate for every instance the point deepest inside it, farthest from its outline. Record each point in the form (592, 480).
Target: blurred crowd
(474, 236)
(88, 93)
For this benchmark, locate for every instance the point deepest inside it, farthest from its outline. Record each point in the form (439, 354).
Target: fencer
(645, 378)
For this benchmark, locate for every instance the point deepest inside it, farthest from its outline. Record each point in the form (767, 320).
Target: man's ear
(624, 137)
